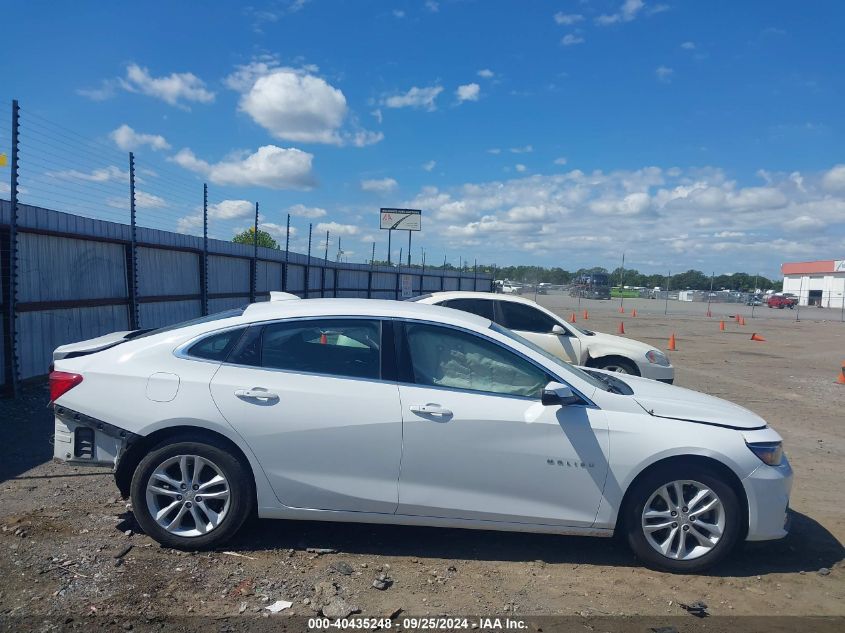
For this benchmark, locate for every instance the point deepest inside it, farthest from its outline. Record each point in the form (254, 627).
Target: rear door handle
(256, 393)
(430, 409)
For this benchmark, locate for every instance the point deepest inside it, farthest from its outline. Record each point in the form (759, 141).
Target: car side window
(217, 346)
(445, 357)
(481, 307)
(335, 347)
(524, 318)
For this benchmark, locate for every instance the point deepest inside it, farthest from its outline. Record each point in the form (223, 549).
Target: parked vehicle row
(416, 414)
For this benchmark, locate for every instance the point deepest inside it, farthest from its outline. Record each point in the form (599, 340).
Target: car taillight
(61, 382)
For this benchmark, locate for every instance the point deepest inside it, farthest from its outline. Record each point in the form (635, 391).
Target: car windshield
(565, 367)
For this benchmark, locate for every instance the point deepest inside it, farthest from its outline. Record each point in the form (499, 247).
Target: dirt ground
(64, 532)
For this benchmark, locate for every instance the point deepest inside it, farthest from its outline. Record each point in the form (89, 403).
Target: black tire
(642, 491)
(617, 361)
(236, 472)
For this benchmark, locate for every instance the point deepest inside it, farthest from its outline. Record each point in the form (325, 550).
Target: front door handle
(256, 393)
(430, 409)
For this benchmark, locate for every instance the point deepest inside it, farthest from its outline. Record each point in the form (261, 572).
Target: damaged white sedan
(407, 413)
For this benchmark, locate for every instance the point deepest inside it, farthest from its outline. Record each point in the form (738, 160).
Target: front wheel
(682, 519)
(618, 365)
(191, 494)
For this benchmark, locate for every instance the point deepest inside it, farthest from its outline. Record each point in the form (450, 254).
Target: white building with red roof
(819, 283)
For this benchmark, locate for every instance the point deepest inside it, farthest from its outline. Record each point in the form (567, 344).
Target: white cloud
(415, 98)
(525, 149)
(277, 231)
(143, 200)
(429, 165)
(560, 161)
(520, 167)
(468, 92)
(223, 210)
(107, 90)
(128, 139)
(174, 89)
(432, 5)
(301, 211)
(270, 166)
(296, 107)
(337, 229)
(102, 174)
(688, 46)
(627, 12)
(382, 185)
(570, 39)
(664, 74)
(834, 180)
(397, 13)
(494, 150)
(568, 19)
(486, 73)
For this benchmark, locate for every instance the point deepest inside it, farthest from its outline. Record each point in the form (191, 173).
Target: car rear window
(217, 346)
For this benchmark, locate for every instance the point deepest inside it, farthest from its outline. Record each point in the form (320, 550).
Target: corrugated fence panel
(39, 333)
(352, 280)
(59, 268)
(450, 283)
(228, 274)
(162, 272)
(161, 313)
(218, 305)
(296, 278)
(268, 276)
(431, 284)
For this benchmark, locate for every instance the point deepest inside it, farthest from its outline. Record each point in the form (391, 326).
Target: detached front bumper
(768, 489)
(82, 439)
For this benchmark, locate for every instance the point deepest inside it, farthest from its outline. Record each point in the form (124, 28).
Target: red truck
(781, 302)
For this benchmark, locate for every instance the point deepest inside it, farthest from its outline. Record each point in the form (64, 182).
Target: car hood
(668, 401)
(90, 346)
(600, 339)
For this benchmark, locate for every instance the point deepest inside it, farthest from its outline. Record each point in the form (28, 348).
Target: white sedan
(407, 413)
(567, 341)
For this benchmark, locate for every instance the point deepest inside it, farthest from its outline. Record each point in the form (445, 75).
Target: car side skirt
(299, 514)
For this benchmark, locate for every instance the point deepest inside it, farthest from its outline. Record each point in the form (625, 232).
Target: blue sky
(687, 134)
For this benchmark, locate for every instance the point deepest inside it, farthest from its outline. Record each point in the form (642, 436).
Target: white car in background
(406, 413)
(567, 341)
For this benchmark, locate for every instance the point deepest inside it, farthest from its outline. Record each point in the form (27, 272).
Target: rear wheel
(191, 495)
(617, 364)
(682, 519)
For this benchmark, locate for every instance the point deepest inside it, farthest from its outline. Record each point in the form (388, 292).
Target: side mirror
(559, 330)
(557, 394)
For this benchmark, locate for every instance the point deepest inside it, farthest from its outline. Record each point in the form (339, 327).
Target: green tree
(248, 237)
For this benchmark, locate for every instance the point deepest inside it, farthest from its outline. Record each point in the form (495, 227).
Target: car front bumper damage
(768, 489)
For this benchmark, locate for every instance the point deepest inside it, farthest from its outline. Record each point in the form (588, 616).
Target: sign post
(400, 220)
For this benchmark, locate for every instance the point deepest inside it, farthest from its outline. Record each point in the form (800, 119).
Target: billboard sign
(401, 219)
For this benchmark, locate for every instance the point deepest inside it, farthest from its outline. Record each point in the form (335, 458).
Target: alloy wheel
(188, 495)
(683, 520)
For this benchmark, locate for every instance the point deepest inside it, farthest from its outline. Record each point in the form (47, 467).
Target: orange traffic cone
(722, 326)
(323, 339)
(572, 318)
(634, 312)
(621, 327)
(672, 347)
(742, 320)
(621, 310)
(709, 314)
(841, 378)
(757, 337)
(586, 315)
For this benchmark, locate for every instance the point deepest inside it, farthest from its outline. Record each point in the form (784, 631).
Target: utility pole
(668, 281)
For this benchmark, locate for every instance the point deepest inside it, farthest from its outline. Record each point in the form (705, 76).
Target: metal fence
(74, 280)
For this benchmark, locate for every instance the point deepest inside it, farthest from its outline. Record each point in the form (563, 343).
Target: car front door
(479, 444)
(536, 326)
(313, 402)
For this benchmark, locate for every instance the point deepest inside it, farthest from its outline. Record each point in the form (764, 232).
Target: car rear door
(318, 407)
(479, 444)
(536, 326)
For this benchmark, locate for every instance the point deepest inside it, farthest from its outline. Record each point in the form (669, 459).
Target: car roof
(267, 310)
(437, 297)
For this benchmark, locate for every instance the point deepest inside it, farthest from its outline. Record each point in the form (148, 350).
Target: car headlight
(656, 357)
(770, 453)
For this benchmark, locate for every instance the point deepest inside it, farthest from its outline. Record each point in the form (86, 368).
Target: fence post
(308, 264)
(287, 250)
(204, 266)
(475, 278)
(10, 334)
(253, 273)
(325, 268)
(134, 320)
